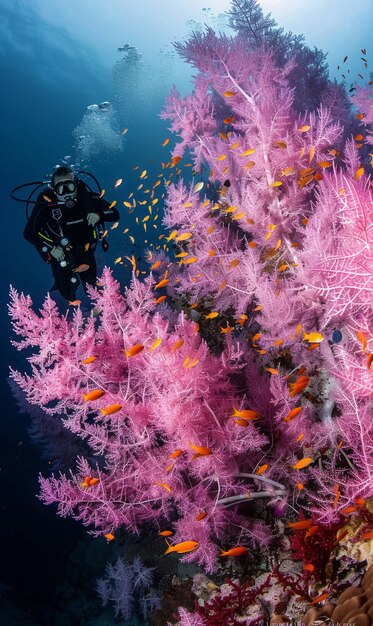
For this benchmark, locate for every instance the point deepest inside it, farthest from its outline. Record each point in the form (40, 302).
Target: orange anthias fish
(337, 496)
(200, 450)
(367, 535)
(89, 482)
(302, 463)
(165, 533)
(247, 414)
(109, 536)
(176, 454)
(293, 413)
(162, 283)
(301, 525)
(112, 408)
(89, 359)
(182, 547)
(237, 551)
(320, 598)
(311, 531)
(136, 349)
(95, 394)
(309, 567)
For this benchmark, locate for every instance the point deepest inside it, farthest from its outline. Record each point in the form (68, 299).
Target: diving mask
(65, 187)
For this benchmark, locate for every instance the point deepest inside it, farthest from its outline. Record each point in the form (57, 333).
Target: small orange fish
(212, 315)
(165, 533)
(118, 182)
(301, 525)
(136, 349)
(182, 547)
(155, 265)
(112, 408)
(109, 536)
(178, 343)
(89, 359)
(309, 567)
(359, 501)
(201, 516)
(89, 482)
(341, 536)
(320, 598)
(237, 551)
(304, 129)
(311, 531)
(367, 535)
(95, 394)
(165, 485)
(81, 268)
(176, 454)
(302, 463)
(247, 414)
(162, 283)
(229, 94)
(112, 204)
(175, 160)
(228, 120)
(201, 450)
(271, 370)
(292, 414)
(359, 172)
(348, 509)
(337, 496)
(299, 486)
(261, 469)
(75, 302)
(166, 141)
(160, 299)
(363, 340)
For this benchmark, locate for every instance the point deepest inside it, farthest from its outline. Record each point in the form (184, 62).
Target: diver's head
(64, 184)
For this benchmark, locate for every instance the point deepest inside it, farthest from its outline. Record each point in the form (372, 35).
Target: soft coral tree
(171, 395)
(287, 250)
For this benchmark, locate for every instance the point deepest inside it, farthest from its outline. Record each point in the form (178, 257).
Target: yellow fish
(302, 463)
(198, 187)
(156, 343)
(313, 337)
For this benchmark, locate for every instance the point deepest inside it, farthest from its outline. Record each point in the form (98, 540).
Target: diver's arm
(36, 233)
(106, 214)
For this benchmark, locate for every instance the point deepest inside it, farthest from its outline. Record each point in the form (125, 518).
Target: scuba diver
(65, 225)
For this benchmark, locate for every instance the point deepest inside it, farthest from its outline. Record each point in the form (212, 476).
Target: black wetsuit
(58, 224)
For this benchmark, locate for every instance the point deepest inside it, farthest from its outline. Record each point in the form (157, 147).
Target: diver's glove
(57, 253)
(93, 218)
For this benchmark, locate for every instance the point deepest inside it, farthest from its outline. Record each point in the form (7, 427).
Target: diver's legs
(62, 279)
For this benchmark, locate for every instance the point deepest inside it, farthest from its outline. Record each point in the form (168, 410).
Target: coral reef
(228, 395)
